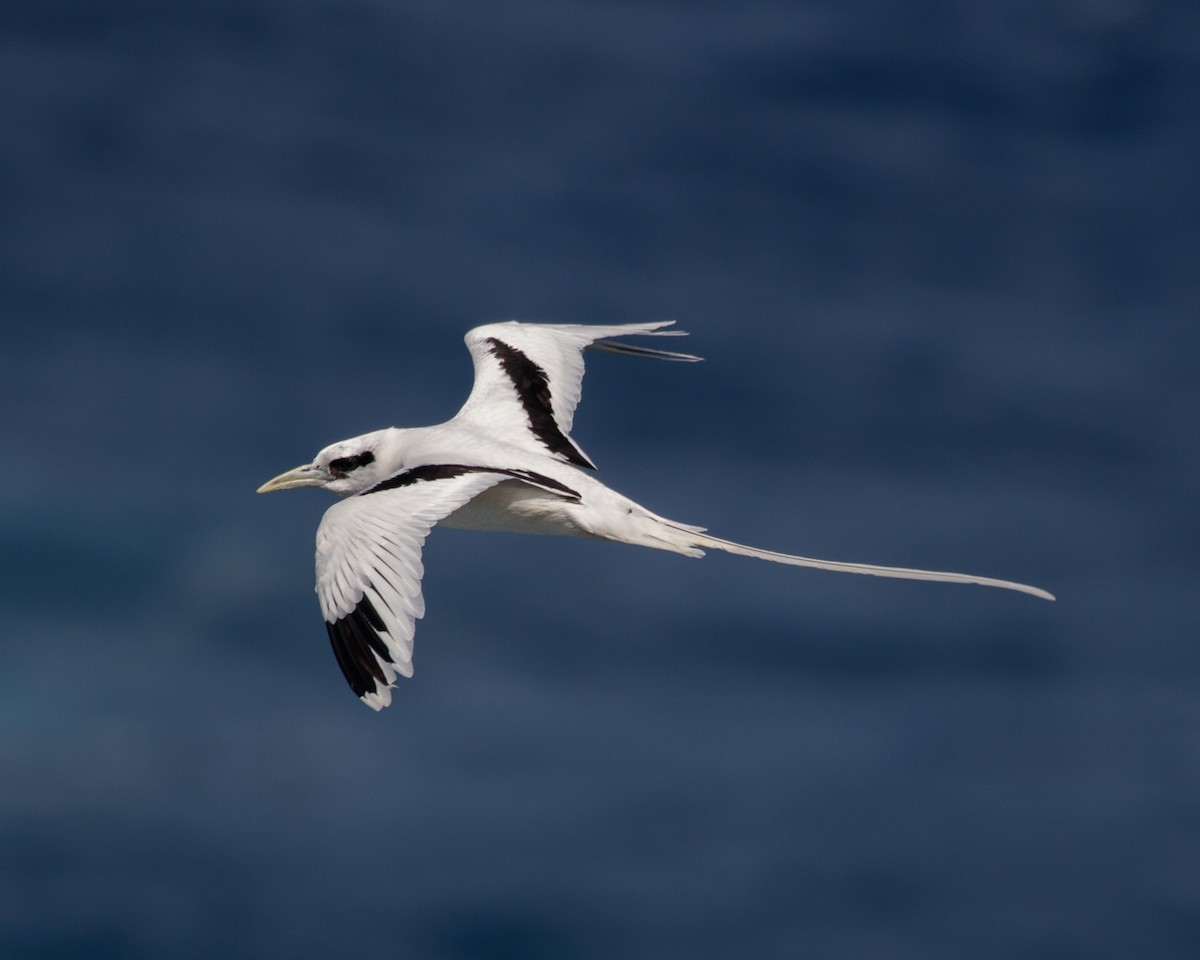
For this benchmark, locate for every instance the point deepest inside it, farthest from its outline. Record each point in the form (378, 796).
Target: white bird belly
(514, 506)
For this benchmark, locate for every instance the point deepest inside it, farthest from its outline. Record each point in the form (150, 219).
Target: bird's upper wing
(528, 378)
(369, 570)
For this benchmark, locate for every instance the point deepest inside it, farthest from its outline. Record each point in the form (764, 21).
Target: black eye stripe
(341, 466)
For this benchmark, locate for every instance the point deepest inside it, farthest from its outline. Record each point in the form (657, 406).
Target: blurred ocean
(943, 260)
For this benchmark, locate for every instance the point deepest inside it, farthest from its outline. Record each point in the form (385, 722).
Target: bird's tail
(693, 541)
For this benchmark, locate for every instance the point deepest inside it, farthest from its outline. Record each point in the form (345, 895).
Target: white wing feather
(369, 547)
(556, 350)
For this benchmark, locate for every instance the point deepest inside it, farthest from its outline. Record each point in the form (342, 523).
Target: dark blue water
(942, 260)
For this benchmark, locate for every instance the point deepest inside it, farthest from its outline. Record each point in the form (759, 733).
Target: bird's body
(505, 462)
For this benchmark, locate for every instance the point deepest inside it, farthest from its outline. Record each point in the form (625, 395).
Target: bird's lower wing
(369, 574)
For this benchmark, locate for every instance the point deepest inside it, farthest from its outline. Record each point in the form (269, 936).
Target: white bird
(504, 462)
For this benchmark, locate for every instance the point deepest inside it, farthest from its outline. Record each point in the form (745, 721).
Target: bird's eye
(341, 466)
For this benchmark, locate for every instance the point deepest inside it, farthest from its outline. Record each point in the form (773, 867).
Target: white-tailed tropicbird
(505, 462)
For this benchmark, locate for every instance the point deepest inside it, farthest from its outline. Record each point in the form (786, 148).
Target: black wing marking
(533, 390)
(356, 644)
(447, 471)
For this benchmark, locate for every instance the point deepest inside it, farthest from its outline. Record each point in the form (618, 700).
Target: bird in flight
(505, 462)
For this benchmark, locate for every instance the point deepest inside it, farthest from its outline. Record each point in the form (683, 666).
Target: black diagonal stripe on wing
(533, 390)
(447, 471)
(355, 640)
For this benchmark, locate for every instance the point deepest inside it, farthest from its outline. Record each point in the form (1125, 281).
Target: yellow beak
(305, 475)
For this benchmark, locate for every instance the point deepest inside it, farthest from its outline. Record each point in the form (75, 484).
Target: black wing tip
(359, 649)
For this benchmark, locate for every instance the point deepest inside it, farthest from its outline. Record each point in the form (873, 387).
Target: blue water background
(943, 259)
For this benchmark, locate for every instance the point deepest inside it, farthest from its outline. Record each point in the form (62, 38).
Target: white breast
(517, 507)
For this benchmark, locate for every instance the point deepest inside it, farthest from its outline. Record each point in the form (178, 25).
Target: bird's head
(346, 467)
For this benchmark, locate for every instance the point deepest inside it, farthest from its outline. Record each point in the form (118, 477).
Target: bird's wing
(369, 571)
(528, 378)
